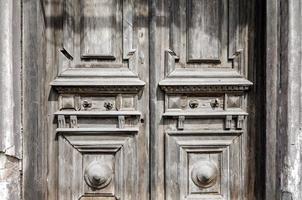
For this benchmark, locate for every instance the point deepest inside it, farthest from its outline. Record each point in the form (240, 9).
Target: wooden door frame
(277, 25)
(283, 100)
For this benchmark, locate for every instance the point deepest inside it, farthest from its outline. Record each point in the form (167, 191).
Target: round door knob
(97, 175)
(204, 174)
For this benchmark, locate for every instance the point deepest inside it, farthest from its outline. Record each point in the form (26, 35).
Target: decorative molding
(61, 121)
(228, 122)
(73, 121)
(121, 121)
(240, 121)
(181, 122)
(99, 89)
(101, 163)
(119, 32)
(203, 165)
(99, 114)
(203, 88)
(214, 114)
(95, 131)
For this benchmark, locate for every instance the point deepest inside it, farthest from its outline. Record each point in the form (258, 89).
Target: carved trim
(240, 121)
(99, 89)
(204, 88)
(228, 122)
(121, 121)
(215, 114)
(73, 121)
(61, 121)
(96, 131)
(181, 122)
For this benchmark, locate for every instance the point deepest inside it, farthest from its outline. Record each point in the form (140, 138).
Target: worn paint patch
(287, 196)
(9, 177)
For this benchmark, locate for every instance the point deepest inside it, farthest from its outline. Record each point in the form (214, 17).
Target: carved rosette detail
(204, 174)
(98, 175)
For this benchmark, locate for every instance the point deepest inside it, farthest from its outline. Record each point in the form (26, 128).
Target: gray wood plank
(204, 30)
(98, 28)
(34, 120)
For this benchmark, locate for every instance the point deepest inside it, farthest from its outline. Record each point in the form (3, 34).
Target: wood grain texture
(204, 30)
(98, 28)
(289, 117)
(10, 79)
(170, 37)
(10, 98)
(103, 80)
(146, 130)
(34, 101)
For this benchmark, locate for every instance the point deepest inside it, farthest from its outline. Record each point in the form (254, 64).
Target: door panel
(102, 118)
(202, 125)
(193, 121)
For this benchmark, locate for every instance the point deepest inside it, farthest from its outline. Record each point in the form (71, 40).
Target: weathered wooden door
(151, 100)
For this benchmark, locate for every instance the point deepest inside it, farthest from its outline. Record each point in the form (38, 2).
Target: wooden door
(151, 100)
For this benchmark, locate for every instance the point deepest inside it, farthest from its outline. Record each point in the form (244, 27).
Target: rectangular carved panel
(195, 103)
(98, 28)
(97, 165)
(203, 166)
(204, 30)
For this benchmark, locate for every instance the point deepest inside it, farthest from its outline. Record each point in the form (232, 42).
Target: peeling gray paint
(10, 98)
(9, 177)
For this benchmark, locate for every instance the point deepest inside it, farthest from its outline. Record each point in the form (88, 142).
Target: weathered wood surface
(35, 97)
(191, 75)
(202, 71)
(10, 98)
(272, 165)
(289, 109)
(106, 121)
(283, 160)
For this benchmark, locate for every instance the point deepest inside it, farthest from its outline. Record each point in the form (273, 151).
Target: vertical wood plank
(289, 117)
(34, 118)
(10, 98)
(272, 65)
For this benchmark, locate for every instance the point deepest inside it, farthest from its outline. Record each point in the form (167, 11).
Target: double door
(151, 100)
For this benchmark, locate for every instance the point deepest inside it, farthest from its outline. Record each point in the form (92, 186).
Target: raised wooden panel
(203, 166)
(99, 43)
(206, 34)
(195, 103)
(97, 165)
(204, 30)
(98, 28)
(86, 102)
